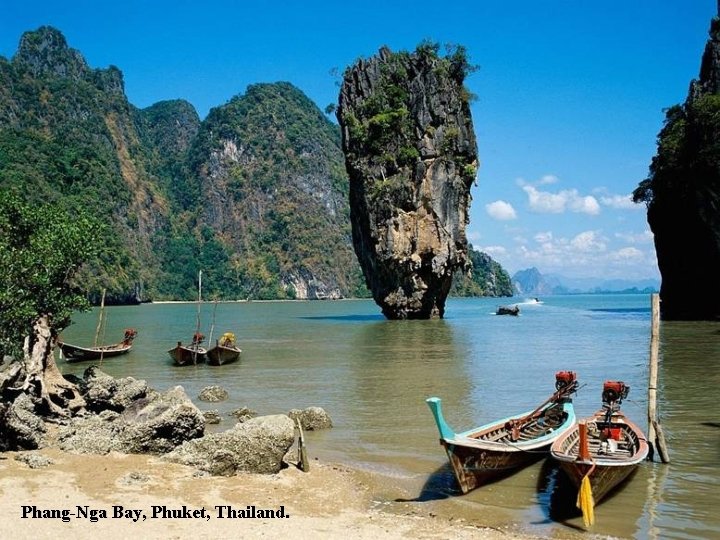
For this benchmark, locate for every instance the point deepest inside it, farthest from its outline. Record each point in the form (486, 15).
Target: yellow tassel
(585, 501)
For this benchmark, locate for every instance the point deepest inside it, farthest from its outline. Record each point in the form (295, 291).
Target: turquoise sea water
(373, 376)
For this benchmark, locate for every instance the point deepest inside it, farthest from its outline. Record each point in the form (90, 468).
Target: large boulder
(103, 392)
(411, 155)
(154, 424)
(257, 446)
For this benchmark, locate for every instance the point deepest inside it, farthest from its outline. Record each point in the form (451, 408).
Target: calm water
(373, 376)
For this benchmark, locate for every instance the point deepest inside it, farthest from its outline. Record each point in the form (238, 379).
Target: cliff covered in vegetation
(682, 194)
(255, 195)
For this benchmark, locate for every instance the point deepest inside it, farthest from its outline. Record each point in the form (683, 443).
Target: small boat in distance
(601, 451)
(481, 454)
(225, 351)
(75, 353)
(186, 355)
(508, 310)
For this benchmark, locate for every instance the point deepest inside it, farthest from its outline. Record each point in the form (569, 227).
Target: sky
(570, 94)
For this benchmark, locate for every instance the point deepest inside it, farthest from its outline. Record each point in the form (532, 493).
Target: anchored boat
(478, 455)
(602, 450)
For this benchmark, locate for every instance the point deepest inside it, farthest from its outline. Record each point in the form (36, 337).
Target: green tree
(41, 249)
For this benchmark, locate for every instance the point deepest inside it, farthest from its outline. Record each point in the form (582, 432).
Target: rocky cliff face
(68, 136)
(270, 174)
(682, 194)
(411, 154)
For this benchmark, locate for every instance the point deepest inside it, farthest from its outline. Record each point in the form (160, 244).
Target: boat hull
(187, 356)
(474, 467)
(73, 353)
(481, 455)
(607, 470)
(219, 355)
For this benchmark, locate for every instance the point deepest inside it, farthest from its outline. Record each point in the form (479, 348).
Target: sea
(373, 376)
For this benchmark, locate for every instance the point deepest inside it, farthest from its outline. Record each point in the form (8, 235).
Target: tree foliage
(41, 250)
(487, 278)
(688, 156)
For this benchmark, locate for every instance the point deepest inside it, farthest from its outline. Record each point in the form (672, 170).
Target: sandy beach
(329, 501)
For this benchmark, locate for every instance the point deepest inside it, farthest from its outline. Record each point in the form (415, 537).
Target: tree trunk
(39, 376)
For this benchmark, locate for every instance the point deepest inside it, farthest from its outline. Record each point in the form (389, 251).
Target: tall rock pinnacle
(682, 194)
(411, 155)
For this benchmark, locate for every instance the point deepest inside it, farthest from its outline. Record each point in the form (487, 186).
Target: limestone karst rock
(411, 155)
(682, 194)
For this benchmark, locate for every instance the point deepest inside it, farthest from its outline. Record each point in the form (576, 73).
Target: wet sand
(330, 501)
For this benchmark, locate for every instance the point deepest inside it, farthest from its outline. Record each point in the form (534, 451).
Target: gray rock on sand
(20, 427)
(154, 424)
(312, 418)
(257, 446)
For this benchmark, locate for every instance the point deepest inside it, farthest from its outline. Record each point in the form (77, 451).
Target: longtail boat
(602, 450)
(225, 351)
(489, 451)
(508, 310)
(75, 353)
(186, 355)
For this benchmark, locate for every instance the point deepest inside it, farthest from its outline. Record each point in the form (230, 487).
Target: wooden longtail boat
(75, 353)
(508, 310)
(489, 451)
(225, 351)
(187, 355)
(605, 448)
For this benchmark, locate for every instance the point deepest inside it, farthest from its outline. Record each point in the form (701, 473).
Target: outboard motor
(563, 379)
(614, 392)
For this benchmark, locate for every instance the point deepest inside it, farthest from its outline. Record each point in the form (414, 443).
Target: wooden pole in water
(100, 318)
(656, 438)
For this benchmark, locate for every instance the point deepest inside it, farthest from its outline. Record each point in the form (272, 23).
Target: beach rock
(243, 414)
(154, 424)
(312, 418)
(213, 394)
(411, 155)
(101, 391)
(256, 446)
(161, 422)
(682, 193)
(34, 461)
(20, 427)
(92, 434)
(212, 417)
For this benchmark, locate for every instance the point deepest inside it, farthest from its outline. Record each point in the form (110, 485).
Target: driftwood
(38, 376)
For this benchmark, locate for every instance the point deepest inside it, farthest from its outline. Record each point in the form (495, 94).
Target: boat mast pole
(197, 327)
(100, 318)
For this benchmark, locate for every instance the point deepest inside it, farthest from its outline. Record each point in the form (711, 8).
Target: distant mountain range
(531, 282)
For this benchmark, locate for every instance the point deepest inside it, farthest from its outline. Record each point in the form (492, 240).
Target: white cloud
(588, 241)
(621, 202)
(501, 210)
(494, 251)
(585, 205)
(548, 179)
(543, 237)
(627, 254)
(546, 202)
(645, 237)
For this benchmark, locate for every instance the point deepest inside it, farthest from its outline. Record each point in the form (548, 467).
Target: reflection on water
(373, 377)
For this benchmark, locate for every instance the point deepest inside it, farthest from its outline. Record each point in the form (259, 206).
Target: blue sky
(570, 93)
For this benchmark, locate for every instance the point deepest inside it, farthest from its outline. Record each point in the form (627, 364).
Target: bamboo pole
(656, 438)
(100, 318)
